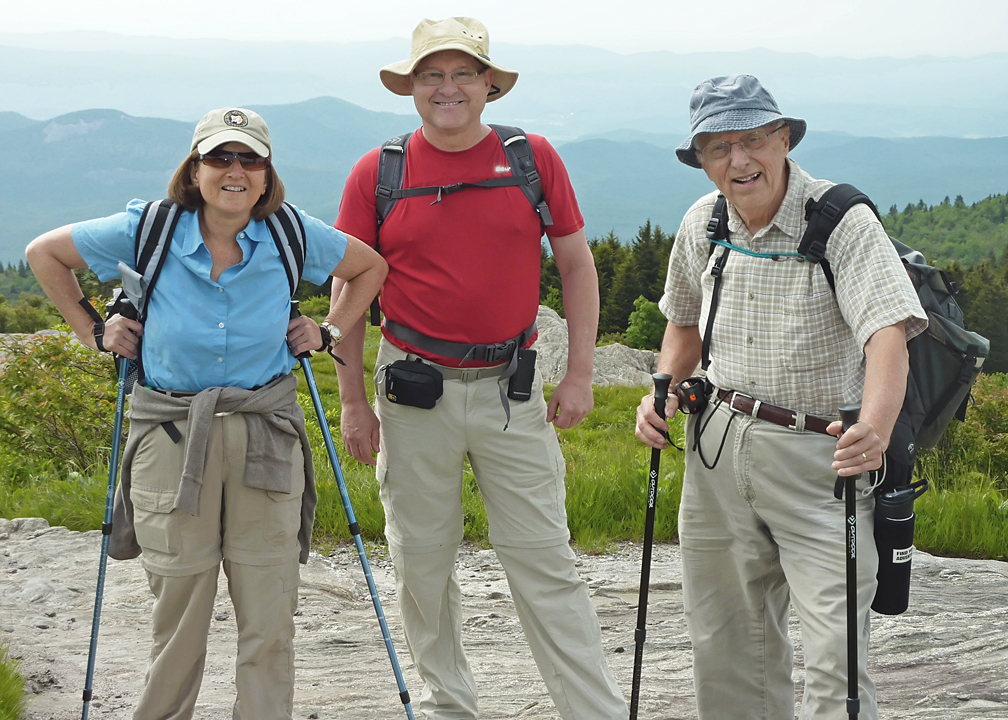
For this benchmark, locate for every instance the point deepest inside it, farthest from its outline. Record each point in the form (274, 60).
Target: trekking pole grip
(661, 386)
(296, 313)
(849, 415)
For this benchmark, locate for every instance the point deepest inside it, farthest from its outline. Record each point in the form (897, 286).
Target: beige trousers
(760, 533)
(520, 473)
(254, 532)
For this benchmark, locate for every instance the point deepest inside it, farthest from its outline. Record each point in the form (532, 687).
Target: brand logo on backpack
(235, 118)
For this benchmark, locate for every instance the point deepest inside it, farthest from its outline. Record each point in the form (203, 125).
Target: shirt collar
(791, 212)
(256, 231)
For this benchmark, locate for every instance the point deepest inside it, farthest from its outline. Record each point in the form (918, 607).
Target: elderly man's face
(753, 180)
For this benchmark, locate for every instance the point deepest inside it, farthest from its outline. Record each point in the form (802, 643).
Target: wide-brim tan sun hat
(458, 33)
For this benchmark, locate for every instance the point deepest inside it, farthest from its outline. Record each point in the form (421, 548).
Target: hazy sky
(851, 28)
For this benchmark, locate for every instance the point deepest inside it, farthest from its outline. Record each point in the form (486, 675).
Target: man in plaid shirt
(759, 526)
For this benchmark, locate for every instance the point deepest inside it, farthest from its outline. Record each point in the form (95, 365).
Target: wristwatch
(98, 330)
(334, 334)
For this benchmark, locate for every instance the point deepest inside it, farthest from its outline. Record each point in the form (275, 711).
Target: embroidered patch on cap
(235, 118)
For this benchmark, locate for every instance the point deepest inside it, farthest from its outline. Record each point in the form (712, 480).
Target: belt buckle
(499, 351)
(755, 404)
(735, 396)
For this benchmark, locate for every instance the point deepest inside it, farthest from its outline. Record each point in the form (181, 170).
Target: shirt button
(749, 340)
(751, 296)
(220, 359)
(222, 325)
(752, 383)
(241, 234)
(220, 289)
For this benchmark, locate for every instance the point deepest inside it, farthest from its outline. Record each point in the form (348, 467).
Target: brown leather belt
(748, 405)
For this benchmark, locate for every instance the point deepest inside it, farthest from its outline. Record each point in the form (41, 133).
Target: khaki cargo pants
(255, 533)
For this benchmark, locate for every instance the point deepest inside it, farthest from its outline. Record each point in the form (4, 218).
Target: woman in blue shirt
(217, 467)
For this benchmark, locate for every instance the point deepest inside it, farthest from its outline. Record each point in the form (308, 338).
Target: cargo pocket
(283, 510)
(156, 527)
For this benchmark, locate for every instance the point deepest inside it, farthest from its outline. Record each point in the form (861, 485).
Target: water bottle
(894, 532)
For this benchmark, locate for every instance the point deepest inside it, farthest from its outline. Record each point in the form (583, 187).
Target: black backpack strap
(822, 216)
(717, 229)
(289, 236)
(522, 162)
(391, 168)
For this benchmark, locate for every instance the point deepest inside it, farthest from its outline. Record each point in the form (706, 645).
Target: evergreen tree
(609, 254)
(626, 287)
(549, 275)
(22, 269)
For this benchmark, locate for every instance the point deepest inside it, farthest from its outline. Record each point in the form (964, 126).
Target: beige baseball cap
(219, 127)
(457, 33)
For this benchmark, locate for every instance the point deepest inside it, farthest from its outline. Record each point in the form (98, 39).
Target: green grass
(965, 514)
(11, 686)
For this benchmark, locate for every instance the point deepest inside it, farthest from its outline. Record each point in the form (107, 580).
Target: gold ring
(864, 457)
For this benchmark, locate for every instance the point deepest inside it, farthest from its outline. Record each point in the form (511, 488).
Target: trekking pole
(352, 520)
(849, 416)
(661, 382)
(125, 308)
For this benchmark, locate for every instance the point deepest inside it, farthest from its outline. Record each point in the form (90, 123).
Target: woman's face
(233, 190)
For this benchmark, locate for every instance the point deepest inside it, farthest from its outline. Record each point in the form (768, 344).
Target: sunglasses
(222, 159)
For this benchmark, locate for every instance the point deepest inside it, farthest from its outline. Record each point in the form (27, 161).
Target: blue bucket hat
(729, 103)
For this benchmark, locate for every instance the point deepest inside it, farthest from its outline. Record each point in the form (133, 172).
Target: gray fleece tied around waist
(275, 422)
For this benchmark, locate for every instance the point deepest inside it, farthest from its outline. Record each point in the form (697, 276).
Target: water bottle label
(902, 555)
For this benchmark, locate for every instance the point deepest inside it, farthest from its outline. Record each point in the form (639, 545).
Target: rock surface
(614, 364)
(946, 658)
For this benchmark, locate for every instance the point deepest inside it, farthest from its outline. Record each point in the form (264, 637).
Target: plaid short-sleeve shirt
(780, 334)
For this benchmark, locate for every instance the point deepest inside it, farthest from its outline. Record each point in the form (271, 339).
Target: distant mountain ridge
(90, 163)
(564, 92)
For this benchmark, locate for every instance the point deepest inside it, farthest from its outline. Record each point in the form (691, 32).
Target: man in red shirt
(464, 275)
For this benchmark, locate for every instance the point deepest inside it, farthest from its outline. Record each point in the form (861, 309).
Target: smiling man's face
(451, 110)
(753, 181)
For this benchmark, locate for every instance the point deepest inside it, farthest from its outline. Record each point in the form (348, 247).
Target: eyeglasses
(222, 159)
(433, 78)
(749, 143)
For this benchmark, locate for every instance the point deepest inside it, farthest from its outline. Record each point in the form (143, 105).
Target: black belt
(747, 405)
(173, 393)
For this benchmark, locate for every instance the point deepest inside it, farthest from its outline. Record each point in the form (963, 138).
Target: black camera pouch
(413, 383)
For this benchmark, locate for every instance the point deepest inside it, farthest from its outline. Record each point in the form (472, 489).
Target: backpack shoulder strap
(289, 236)
(391, 168)
(522, 162)
(717, 229)
(822, 216)
(154, 233)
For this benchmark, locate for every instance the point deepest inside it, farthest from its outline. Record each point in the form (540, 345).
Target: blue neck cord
(773, 256)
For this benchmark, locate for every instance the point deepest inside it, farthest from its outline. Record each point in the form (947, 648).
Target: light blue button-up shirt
(200, 333)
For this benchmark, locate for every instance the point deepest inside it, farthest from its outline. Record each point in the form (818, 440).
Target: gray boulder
(614, 364)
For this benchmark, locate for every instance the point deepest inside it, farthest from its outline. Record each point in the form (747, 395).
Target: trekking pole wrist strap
(98, 329)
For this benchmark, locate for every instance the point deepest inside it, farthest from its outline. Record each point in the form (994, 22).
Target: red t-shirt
(465, 269)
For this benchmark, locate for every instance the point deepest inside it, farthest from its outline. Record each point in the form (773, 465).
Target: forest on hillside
(969, 242)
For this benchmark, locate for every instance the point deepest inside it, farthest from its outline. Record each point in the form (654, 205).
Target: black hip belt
(465, 352)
